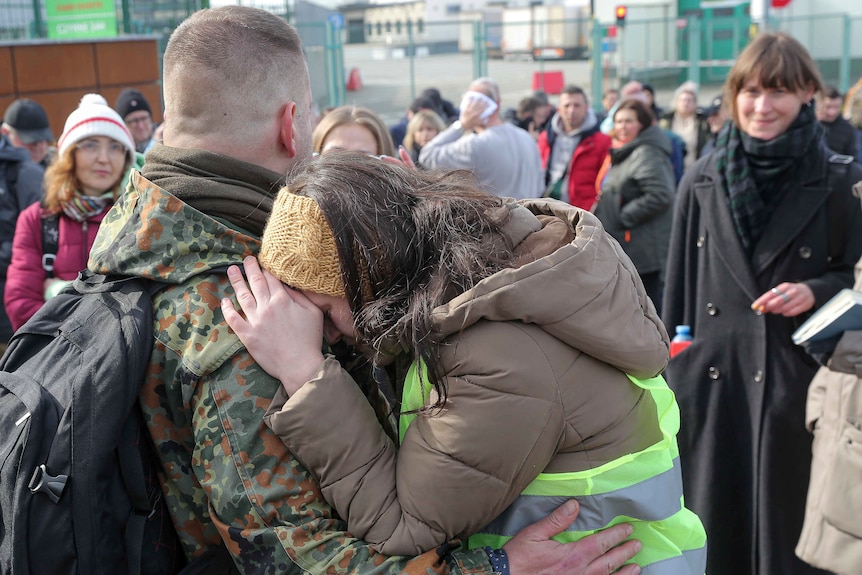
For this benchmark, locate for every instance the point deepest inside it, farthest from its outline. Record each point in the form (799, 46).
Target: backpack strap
(838, 166)
(12, 169)
(50, 243)
(131, 469)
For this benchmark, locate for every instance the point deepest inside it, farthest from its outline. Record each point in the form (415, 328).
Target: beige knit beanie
(298, 246)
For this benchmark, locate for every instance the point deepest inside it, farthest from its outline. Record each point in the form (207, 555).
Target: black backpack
(78, 488)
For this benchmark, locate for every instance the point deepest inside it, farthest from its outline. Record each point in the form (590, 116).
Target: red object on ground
(354, 82)
(550, 82)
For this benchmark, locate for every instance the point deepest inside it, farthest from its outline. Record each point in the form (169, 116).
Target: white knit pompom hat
(95, 118)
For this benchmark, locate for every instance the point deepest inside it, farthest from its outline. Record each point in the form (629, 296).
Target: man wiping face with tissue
(503, 157)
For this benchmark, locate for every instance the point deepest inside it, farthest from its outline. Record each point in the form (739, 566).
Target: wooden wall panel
(152, 92)
(4, 103)
(58, 105)
(57, 74)
(40, 68)
(7, 81)
(127, 63)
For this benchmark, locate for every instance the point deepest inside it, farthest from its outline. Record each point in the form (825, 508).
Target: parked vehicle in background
(492, 20)
(558, 32)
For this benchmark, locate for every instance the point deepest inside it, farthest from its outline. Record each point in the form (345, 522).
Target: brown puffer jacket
(535, 359)
(831, 535)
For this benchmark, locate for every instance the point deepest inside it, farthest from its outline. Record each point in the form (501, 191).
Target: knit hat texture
(95, 118)
(298, 246)
(131, 100)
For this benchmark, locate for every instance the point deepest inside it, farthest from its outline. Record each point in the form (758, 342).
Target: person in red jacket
(573, 149)
(81, 184)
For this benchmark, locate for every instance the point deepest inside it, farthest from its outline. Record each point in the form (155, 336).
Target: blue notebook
(841, 313)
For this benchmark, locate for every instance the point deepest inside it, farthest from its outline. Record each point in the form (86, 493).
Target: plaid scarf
(81, 208)
(754, 172)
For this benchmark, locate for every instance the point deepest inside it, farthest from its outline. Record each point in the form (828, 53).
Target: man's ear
(288, 127)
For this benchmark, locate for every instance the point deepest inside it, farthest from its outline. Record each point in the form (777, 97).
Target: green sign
(69, 19)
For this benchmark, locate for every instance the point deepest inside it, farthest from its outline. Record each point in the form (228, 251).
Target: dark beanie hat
(131, 100)
(29, 120)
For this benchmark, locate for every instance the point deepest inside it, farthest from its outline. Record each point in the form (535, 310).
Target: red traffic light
(621, 12)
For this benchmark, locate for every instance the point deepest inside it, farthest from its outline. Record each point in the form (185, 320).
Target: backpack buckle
(48, 262)
(154, 497)
(51, 485)
(840, 159)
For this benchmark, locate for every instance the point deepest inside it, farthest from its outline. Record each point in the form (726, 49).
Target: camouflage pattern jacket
(227, 477)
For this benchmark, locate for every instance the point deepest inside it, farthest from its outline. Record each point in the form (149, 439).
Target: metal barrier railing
(449, 54)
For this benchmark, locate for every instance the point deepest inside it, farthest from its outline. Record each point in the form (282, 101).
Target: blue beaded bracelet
(499, 560)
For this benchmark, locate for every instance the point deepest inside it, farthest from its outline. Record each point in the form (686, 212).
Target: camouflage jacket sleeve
(264, 504)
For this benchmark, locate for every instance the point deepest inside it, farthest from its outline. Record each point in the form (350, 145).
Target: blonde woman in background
(687, 122)
(423, 126)
(854, 116)
(355, 129)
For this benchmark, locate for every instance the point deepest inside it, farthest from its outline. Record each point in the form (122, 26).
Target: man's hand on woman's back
(533, 552)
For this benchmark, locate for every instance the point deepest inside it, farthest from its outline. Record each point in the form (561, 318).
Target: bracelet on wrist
(499, 560)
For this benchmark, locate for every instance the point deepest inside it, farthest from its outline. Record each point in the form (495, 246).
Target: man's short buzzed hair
(216, 55)
(831, 93)
(573, 90)
(221, 38)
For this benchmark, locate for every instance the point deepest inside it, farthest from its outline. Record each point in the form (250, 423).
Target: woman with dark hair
(649, 92)
(530, 355)
(765, 230)
(636, 199)
(444, 108)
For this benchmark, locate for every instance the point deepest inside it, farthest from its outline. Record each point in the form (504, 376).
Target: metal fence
(384, 65)
(26, 20)
(835, 42)
(664, 52)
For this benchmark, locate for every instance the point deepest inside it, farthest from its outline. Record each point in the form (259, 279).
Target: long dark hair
(408, 241)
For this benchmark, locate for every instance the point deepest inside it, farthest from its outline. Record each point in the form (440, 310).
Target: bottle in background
(681, 340)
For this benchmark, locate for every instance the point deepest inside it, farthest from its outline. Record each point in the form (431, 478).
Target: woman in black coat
(765, 231)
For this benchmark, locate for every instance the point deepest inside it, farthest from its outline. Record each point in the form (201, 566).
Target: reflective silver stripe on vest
(692, 561)
(653, 499)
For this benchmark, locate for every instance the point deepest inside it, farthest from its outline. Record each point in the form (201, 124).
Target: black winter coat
(742, 384)
(20, 186)
(840, 137)
(636, 203)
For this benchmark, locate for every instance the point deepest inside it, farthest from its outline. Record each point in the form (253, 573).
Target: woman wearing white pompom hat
(81, 184)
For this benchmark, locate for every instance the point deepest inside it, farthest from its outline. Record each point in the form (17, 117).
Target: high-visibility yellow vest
(642, 488)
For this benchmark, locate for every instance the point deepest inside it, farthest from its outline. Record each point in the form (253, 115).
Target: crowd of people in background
(736, 218)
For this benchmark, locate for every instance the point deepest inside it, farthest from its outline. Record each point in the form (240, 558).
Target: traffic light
(621, 12)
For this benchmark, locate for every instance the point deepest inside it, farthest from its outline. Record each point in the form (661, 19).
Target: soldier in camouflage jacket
(227, 476)
(200, 203)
